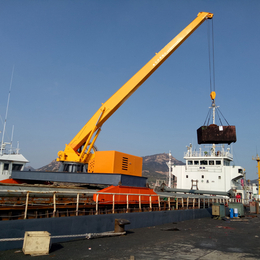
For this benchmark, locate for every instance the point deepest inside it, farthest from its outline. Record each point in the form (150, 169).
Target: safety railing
(81, 203)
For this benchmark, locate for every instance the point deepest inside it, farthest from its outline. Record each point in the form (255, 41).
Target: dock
(203, 238)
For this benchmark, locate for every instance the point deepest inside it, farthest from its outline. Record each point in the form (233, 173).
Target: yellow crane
(81, 151)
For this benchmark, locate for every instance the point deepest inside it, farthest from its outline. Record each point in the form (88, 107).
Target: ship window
(207, 181)
(211, 162)
(202, 176)
(240, 170)
(226, 162)
(204, 162)
(218, 162)
(187, 176)
(73, 168)
(6, 166)
(190, 162)
(196, 162)
(17, 167)
(219, 177)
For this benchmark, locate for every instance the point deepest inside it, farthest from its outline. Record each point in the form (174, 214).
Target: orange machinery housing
(115, 162)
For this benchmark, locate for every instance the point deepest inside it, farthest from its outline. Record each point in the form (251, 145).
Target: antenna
(11, 144)
(3, 134)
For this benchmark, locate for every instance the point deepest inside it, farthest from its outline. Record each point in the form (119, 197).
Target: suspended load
(213, 133)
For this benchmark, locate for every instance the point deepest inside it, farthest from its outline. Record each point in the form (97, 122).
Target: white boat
(10, 160)
(209, 171)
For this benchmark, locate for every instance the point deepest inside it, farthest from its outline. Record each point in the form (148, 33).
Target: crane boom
(78, 150)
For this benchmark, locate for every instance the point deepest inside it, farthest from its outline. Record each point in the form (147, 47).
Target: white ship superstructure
(209, 170)
(10, 160)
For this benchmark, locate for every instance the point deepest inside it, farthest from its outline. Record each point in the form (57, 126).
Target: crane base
(84, 178)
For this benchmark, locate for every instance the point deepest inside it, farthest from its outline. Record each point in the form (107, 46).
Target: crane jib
(71, 153)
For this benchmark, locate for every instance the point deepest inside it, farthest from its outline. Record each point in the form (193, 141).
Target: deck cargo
(216, 134)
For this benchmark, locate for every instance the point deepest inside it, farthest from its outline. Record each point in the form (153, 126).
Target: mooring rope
(87, 235)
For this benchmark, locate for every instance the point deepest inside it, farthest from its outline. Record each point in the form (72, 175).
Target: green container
(218, 209)
(238, 206)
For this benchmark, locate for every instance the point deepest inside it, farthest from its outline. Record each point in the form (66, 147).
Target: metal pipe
(166, 189)
(77, 207)
(97, 204)
(26, 205)
(74, 192)
(113, 209)
(127, 203)
(54, 204)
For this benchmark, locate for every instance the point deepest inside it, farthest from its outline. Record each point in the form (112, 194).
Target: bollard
(120, 225)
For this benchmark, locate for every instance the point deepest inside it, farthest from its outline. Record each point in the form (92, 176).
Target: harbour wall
(91, 224)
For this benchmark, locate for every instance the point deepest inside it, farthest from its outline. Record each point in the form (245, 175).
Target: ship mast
(170, 170)
(6, 113)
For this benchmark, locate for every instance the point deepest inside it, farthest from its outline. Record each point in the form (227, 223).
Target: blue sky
(70, 56)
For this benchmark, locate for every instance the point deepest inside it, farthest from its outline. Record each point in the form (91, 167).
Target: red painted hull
(11, 181)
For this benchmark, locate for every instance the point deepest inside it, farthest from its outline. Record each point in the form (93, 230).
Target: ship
(10, 160)
(209, 171)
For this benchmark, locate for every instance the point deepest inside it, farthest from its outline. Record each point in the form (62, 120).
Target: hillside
(53, 166)
(155, 167)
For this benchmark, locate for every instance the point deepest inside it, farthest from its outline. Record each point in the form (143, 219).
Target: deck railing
(25, 204)
(208, 153)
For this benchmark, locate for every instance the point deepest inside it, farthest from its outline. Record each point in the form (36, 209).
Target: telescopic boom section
(78, 150)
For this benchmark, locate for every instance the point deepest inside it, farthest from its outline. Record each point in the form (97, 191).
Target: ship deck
(39, 202)
(205, 238)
